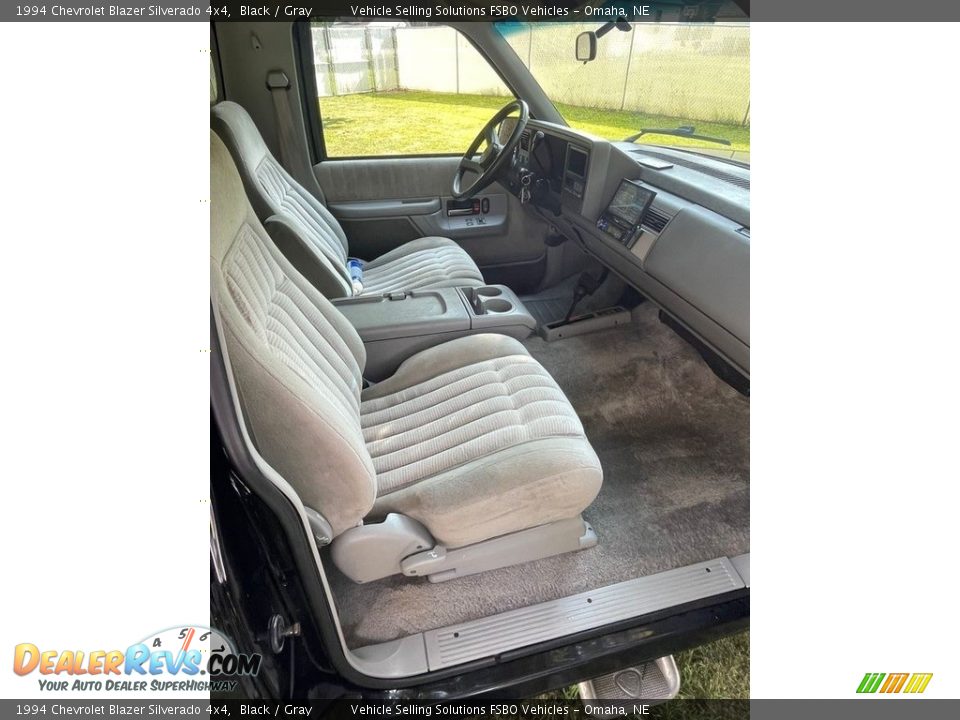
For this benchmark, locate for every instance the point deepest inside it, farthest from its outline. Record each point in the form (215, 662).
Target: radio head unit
(622, 219)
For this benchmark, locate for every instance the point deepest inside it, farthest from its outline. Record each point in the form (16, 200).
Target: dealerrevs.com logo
(183, 659)
(892, 683)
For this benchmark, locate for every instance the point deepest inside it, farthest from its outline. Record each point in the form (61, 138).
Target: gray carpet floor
(673, 440)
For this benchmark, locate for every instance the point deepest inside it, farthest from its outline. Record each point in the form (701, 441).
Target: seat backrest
(304, 230)
(296, 360)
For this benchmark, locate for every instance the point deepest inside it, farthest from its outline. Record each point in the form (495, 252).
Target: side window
(401, 88)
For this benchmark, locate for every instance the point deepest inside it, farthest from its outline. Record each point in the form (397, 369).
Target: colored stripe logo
(885, 683)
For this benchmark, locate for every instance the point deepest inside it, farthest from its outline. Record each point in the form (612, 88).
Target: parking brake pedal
(587, 284)
(654, 682)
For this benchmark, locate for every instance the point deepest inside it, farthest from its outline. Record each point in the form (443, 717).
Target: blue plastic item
(356, 275)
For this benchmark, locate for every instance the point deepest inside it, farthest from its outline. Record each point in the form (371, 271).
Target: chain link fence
(697, 72)
(355, 58)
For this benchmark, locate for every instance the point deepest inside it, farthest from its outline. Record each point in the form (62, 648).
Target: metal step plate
(653, 682)
(538, 623)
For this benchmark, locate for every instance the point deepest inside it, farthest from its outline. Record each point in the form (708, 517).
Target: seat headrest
(239, 132)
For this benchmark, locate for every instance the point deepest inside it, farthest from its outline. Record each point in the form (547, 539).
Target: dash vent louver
(655, 220)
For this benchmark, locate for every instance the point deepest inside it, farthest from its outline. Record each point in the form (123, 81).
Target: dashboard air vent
(655, 220)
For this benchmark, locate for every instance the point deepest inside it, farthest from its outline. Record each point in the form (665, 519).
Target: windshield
(651, 77)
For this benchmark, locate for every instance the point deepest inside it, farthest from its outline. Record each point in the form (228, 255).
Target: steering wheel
(494, 156)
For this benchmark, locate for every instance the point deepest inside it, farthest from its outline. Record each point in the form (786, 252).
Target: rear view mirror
(586, 46)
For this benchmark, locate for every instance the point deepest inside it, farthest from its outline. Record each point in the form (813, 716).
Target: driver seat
(310, 236)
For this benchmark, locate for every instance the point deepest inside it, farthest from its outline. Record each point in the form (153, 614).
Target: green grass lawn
(718, 670)
(407, 123)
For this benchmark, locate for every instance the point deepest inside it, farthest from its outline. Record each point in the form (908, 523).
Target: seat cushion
(474, 439)
(430, 262)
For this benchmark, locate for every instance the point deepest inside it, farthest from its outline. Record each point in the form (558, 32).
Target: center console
(397, 325)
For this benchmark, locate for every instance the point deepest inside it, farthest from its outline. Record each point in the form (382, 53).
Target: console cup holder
(497, 305)
(487, 300)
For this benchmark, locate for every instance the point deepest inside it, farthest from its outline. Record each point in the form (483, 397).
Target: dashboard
(674, 224)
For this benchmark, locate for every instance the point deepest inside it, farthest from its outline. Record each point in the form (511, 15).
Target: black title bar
(482, 11)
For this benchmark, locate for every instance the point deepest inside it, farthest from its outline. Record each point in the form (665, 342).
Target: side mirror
(586, 46)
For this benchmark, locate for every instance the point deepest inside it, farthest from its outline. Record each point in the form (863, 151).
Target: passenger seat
(468, 441)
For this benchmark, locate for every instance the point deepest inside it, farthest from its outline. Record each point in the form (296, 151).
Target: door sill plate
(496, 634)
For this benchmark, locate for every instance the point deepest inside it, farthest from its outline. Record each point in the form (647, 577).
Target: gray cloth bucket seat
(312, 239)
(472, 438)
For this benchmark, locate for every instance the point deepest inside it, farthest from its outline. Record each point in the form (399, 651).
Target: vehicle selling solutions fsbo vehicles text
(493, 11)
(445, 709)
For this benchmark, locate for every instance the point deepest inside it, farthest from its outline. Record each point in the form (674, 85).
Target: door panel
(384, 202)
(385, 178)
(435, 216)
